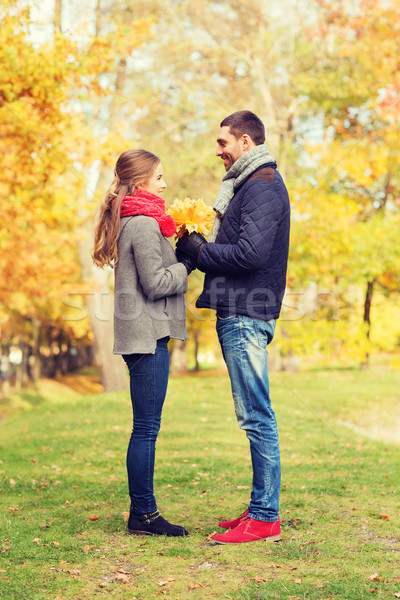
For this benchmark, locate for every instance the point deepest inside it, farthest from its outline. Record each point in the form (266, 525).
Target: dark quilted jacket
(246, 266)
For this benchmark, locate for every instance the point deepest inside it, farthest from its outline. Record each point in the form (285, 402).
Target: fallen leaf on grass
(87, 548)
(297, 580)
(397, 595)
(385, 517)
(36, 541)
(209, 537)
(205, 565)
(259, 579)
(14, 509)
(73, 572)
(309, 542)
(373, 590)
(319, 585)
(166, 581)
(375, 577)
(49, 525)
(56, 544)
(122, 576)
(193, 585)
(125, 515)
(94, 518)
(286, 568)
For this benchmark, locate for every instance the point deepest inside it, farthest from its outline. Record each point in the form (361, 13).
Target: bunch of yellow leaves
(191, 215)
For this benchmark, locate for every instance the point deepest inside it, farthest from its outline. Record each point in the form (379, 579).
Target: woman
(131, 235)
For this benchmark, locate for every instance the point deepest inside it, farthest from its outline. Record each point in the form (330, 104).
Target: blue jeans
(244, 343)
(148, 383)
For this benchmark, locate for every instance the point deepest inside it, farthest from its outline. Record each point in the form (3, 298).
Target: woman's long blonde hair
(133, 168)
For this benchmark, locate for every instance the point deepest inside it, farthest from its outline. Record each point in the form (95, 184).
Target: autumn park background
(78, 86)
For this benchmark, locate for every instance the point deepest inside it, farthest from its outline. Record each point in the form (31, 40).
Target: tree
(125, 36)
(44, 146)
(359, 48)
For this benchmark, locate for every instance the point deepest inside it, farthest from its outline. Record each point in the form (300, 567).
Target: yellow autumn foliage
(191, 215)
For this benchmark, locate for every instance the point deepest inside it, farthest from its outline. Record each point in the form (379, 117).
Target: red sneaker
(235, 522)
(251, 530)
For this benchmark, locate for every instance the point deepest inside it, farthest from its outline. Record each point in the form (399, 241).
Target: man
(245, 265)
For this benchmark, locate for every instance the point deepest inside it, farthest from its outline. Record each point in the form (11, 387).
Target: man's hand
(189, 261)
(189, 246)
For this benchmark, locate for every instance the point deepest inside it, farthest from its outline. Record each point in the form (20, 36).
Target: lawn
(63, 497)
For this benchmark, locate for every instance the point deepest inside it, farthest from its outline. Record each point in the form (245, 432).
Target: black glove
(190, 245)
(189, 262)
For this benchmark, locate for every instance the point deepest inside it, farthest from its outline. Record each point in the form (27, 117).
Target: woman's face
(156, 184)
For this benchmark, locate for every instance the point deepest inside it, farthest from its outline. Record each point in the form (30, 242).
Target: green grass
(63, 464)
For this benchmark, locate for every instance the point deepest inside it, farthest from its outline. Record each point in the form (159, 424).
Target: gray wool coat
(149, 289)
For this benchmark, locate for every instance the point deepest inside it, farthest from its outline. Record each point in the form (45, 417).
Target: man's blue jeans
(244, 343)
(148, 381)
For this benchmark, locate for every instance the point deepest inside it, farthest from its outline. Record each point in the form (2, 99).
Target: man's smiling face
(228, 147)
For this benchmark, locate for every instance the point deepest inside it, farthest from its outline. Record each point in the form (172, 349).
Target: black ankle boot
(153, 524)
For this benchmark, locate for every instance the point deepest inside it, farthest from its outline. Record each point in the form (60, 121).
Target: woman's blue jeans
(244, 343)
(148, 384)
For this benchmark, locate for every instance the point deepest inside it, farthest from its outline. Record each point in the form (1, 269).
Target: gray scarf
(239, 171)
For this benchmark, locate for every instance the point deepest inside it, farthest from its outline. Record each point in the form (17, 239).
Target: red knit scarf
(149, 205)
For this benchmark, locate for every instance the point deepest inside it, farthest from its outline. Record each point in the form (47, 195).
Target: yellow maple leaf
(191, 215)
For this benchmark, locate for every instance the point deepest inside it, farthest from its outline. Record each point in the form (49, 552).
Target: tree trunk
(98, 18)
(57, 16)
(36, 358)
(178, 358)
(367, 318)
(113, 371)
(196, 351)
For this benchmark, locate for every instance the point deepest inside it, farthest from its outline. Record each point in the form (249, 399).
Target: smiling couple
(245, 263)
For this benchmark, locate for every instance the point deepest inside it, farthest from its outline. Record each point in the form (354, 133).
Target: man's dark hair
(244, 121)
